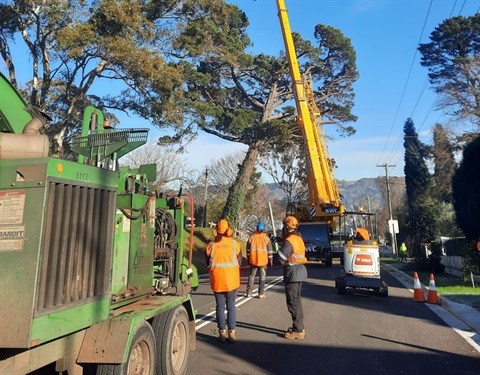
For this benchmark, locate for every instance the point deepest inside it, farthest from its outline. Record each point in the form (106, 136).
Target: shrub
(435, 258)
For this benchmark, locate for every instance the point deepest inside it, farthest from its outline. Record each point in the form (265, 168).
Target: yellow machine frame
(324, 198)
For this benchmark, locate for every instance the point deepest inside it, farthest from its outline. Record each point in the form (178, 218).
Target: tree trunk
(238, 191)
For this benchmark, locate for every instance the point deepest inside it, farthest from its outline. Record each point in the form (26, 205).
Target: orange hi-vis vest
(258, 249)
(224, 267)
(298, 255)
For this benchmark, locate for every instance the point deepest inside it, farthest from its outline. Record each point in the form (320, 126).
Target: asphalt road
(345, 334)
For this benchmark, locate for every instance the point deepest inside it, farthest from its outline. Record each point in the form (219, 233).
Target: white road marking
(451, 320)
(210, 317)
(457, 325)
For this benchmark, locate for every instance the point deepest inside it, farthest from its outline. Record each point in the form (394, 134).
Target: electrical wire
(454, 4)
(406, 84)
(397, 143)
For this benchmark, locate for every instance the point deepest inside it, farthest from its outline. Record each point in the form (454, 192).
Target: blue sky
(392, 84)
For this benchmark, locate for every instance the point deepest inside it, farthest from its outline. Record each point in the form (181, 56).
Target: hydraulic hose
(191, 226)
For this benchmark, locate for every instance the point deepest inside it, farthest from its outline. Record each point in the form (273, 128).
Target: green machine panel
(134, 233)
(56, 235)
(20, 210)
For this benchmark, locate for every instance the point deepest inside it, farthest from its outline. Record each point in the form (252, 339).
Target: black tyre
(384, 290)
(328, 263)
(173, 337)
(341, 287)
(141, 355)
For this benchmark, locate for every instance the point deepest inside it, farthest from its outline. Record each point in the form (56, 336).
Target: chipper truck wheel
(141, 355)
(173, 338)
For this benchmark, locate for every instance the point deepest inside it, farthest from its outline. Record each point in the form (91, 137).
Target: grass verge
(450, 286)
(446, 283)
(200, 239)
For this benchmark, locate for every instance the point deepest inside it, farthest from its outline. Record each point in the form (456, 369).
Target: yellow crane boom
(324, 197)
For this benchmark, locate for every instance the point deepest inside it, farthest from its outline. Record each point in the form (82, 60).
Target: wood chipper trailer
(92, 267)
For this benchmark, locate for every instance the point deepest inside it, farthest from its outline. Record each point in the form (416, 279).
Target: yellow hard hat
(290, 223)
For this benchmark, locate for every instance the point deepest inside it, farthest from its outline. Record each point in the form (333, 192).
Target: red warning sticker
(363, 260)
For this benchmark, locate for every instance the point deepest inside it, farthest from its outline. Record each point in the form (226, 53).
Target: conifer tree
(421, 207)
(444, 160)
(451, 58)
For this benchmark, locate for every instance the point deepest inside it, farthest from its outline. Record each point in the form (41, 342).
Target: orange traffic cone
(417, 289)
(432, 291)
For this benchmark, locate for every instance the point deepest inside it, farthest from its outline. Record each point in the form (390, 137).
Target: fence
(236, 232)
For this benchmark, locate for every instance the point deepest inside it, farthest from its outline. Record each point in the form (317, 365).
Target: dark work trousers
(261, 281)
(294, 304)
(226, 299)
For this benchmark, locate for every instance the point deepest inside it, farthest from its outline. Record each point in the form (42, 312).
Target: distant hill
(354, 193)
(360, 192)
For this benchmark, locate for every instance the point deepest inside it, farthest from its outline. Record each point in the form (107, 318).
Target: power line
(425, 85)
(406, 82)
(432, 108)
(454, 4)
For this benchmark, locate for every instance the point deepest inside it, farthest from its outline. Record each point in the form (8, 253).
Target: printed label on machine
(364, 260)
(11, 238)
(126, 222)
(12, 206)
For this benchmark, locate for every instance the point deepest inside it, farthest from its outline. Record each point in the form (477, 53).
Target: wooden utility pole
(205, 193)
(390, 214)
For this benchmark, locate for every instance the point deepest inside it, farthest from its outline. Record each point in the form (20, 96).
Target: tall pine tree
(444, 160)
(421, 207)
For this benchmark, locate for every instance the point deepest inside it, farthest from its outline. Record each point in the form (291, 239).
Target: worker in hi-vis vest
(224, 258)
(402, 250)
(292, 256)
(259, 255)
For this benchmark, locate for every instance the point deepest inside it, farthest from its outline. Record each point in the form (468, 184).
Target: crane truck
(318, 219)
(96, 266)
(321, 217)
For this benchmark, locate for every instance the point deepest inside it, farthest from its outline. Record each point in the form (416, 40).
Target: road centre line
(210, 317)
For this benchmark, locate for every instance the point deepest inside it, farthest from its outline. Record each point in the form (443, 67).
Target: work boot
(292, 335)
(222, 335)
(290, 329)
(231, 336)
(261, 296)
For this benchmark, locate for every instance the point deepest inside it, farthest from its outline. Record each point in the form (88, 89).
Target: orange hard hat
(362, 234)
(222, 226)
(290, 223)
